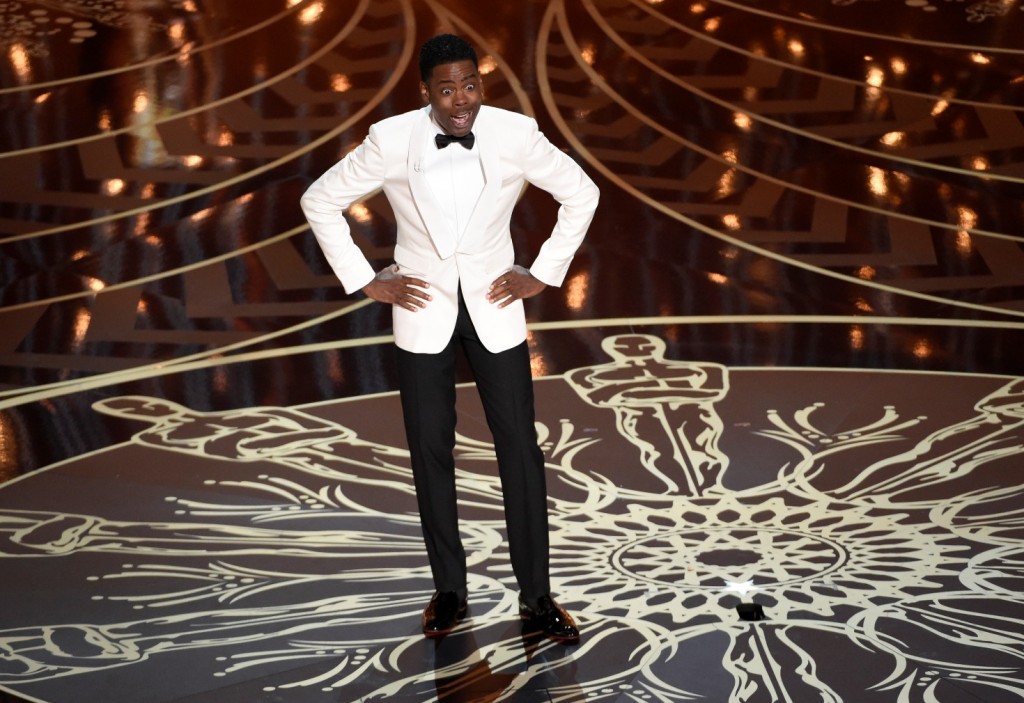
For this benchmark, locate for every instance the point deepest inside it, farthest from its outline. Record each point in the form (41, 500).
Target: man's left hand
(515, 284)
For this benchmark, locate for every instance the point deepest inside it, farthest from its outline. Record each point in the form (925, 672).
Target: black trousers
(427, 387)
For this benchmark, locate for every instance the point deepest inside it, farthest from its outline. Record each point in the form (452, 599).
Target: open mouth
(461, 122)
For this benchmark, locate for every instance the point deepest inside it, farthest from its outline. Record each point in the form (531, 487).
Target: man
(453, 172)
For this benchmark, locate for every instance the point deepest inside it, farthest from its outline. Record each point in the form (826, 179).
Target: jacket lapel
(490, 160)
(426, 204)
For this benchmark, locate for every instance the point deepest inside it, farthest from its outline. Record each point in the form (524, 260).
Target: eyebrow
(467, 78)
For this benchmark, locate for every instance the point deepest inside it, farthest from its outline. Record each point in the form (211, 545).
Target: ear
(424, 92)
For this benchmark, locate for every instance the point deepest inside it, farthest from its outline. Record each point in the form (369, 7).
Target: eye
(470, 87)
(446, 91)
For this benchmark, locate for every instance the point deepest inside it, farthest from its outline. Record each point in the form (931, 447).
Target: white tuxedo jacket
(513, 151)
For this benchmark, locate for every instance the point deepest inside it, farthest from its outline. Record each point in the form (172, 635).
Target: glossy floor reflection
(807, 260)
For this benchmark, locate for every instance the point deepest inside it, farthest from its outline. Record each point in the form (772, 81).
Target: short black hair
(442, 49)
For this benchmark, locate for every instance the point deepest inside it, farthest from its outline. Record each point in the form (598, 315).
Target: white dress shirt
(456, 179)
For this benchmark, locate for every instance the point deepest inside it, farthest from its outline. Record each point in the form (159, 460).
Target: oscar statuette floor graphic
(780, 392)
(274, 553)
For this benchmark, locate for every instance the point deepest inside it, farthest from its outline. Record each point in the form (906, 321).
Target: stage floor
(784, 371)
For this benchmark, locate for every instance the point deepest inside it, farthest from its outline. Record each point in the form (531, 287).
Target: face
(455, 93)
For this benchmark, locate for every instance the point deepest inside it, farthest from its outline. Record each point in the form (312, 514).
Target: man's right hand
(395, 289)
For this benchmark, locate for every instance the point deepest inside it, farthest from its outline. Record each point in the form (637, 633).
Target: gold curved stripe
(871, 35)
(548, 20)
(803, 134)
(355, 117)
(650, 9)
(204, 359)
(163, 274)
(12, 399)
(156, 61)
(312, 58)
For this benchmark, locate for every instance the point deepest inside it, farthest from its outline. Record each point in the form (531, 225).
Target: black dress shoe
(550, 618)
(445, 610)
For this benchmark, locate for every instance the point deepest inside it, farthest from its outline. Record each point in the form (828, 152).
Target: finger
(504, 298)
(417, 293)
(410, 304)
(416, 296)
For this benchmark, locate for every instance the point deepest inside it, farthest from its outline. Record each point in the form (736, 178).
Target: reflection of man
(453, 172)
(658, 401)
(309, 632)
(466, 673)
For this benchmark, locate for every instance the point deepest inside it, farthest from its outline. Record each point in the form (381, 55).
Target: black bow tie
(443, 140)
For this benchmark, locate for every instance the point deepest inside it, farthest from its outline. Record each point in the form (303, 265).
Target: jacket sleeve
(324, 203)
(550, 169)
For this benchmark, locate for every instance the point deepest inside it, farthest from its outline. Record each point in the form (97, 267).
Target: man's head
(450, 82)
